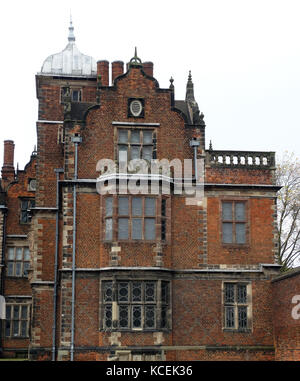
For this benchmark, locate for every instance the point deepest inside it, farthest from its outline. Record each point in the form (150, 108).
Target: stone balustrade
(241, 159)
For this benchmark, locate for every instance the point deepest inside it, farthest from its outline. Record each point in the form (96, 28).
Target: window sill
(236, 245)
(16, 277)
(237, 330)
(166, 330)
(135, 241)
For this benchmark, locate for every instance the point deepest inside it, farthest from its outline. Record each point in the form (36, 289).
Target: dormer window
(76, 94)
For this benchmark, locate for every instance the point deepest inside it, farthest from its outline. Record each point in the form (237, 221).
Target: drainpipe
(57, 171)
(76, 140)
(2, 263)
(195, 143)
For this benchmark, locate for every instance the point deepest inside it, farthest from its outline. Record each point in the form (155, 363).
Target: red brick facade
(188, 293)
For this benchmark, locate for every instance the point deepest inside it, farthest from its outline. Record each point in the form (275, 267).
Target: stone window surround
(72, 88)
(115, 304)
(142, 128)
(20, 302)
(16, 245)
(235, 199)
(235, 304)
(161, 221)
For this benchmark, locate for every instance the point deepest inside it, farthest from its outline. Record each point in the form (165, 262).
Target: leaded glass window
(236, 306)
(137, 306)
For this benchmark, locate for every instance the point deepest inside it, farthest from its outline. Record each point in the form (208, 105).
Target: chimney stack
(117, 68)
(103, 70)
(148, 68)
(8, 169)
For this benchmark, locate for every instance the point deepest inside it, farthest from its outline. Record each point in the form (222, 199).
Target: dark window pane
(7, 327)
(227, 232)
(240, 211)
(10, 269)
(123, 208)
(108, 316)
(24, 328)
(163, 321)
(108, 291)
(108, 206)
(150, 206)
(242, 293)
(136, 206)
(123, 291)
(15, 312)
(149, 317)
(137, 291)
(108, 229)
(229, 317)
(136, 228)
(136, 316)
(76, 95)
(150, 228)
(163, 229)
(135, 136)
(24, 312)
(123, 228)
(147, 137)
(242, 316)
(163, 207)
(227, 211)
(26, 268)
(123, 316)
(18, 268)
(24, 216)
(24, 204)
(150, 292)
(165, 292)
(8, 312)
(16, 328)
(123, 136)
(229, 293)
(240, 230)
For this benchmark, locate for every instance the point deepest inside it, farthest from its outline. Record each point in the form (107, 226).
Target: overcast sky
(244, 56)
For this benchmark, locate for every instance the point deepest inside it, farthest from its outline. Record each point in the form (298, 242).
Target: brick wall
(286, 320)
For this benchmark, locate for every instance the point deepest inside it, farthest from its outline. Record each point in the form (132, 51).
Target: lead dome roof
(70, 61)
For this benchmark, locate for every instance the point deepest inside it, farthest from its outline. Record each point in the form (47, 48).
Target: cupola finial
(135, 61)
(71, 30)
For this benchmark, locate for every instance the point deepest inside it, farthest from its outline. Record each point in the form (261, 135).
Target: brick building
(138, 276)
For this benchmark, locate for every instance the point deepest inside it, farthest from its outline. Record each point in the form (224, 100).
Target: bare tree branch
(288, 211)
